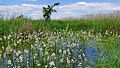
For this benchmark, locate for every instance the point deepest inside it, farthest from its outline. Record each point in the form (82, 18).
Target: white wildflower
(60, 51)
(68, 50)
(38, 64)
(54, 67)
(4, 37)
(9, 61)
(9, 50)
(36, 54)
(19, 52)
(0, 39)
(26, 51)
(51, 45)
(30, 36)
(79, 65)
(3, 47)
(80, 56)
(46, 53)
(9, 36)
(73, 44)
(53, 55)
(64, 52)
(68, 61)
(46, 66)
(21, 58)
(72, 60)
(84, 32)
(83, 55)
(61, 60)
(52, 63)
(40, 49)
(44, 45)
(15, 44)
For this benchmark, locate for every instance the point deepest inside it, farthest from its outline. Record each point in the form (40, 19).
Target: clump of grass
(26, 28)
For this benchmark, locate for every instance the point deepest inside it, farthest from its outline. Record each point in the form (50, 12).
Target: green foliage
(47, 11)
(99, 25)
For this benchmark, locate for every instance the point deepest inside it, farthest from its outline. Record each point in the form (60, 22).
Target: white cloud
(88, 6)
(25, 9)
(81, 8)
(70, 10)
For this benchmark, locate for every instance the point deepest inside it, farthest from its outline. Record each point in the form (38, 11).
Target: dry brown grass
(26, 28)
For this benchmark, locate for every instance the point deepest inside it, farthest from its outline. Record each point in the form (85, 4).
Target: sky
(67, 8)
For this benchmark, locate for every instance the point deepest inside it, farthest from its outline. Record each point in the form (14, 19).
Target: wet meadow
(69, 43)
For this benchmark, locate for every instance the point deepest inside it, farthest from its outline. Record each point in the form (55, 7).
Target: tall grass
(60, 43)
(98, 25)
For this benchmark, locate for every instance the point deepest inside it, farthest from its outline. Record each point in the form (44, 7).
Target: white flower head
(44, 45)
(46, 53)
(72, 60)
(46, 66)
(38, 64)
(54, 67)
(61, 60)
(4, 37)
(9, 49)
(21, 58)
(68, 61)
(19, 52)
(0, 39)
(26, 51)
(60, 51)
(53, 55)
(9, 61)
(52, 63)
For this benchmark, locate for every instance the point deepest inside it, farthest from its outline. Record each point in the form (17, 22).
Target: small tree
(47, 11)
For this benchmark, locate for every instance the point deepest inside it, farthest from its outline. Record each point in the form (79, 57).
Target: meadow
(70, 43)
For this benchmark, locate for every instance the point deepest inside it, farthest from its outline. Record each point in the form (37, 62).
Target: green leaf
(56, 4)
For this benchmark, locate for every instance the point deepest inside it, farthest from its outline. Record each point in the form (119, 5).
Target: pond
(82, 57)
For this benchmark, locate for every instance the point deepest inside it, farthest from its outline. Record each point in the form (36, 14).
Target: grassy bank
(98, 25)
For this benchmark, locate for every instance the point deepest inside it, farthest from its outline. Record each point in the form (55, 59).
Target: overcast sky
(68, 8)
